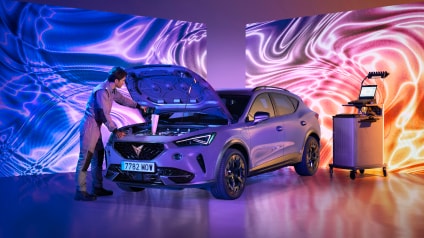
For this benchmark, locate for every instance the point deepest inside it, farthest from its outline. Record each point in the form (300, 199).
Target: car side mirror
(260, 116)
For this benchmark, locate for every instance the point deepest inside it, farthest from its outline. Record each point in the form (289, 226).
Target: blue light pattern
(51, 58)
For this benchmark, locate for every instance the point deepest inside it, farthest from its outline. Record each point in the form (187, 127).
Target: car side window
(284, 104)
(262, 103)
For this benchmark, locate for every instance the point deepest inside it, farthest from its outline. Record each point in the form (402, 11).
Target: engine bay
(162, 130)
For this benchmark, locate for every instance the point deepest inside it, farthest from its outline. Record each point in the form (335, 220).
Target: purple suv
(197, 137)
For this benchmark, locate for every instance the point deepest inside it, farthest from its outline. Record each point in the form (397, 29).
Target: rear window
(284, 105)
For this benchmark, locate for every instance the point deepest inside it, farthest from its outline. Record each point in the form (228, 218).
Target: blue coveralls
(97, 113)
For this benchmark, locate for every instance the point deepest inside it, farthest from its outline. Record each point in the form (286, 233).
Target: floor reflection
(279, 204)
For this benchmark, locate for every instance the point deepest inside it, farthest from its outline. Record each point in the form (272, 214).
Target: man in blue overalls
(92, 151)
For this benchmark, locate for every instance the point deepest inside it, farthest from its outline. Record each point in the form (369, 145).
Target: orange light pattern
(324, 58)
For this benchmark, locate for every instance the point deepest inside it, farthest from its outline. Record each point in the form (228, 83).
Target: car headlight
(204, 139)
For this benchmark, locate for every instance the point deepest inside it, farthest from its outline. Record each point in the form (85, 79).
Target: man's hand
(120, 134)
(144, 108)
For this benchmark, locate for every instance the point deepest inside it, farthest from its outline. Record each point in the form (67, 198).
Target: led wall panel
(52, 57)
(324, 58)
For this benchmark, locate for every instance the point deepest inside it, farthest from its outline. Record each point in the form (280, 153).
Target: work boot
(102, 192)
(84, 196)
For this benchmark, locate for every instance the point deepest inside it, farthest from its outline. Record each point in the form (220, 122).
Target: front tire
(310, 158)
(231, 176)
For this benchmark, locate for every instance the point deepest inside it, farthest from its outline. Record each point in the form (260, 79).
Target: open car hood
(171, 88)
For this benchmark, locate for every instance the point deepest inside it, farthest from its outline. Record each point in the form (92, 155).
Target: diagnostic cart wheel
(352, 174)
(384, 171)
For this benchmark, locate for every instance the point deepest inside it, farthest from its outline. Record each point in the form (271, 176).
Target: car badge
(138, 149)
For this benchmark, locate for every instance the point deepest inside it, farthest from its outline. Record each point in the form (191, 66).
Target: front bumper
(176, 167)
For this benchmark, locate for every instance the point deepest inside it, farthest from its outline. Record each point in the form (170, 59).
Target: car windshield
(236, 104)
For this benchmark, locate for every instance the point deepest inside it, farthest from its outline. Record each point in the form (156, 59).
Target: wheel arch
(315, 135)
(238, 145)
(309, 163)
(312, 133)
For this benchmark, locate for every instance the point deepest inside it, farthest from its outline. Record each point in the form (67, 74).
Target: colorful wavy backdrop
(51, 57)
(324, 58)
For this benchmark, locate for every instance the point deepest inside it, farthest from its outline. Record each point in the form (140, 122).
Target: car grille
(138, 151)
(178, 176)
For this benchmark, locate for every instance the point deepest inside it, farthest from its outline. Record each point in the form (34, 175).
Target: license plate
(138, 166)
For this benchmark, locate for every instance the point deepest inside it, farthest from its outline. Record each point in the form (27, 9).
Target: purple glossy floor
(278, 204)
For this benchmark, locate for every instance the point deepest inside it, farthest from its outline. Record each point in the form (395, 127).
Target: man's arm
(104, 108)
(121, 99)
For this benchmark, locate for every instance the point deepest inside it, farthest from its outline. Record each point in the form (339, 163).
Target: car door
(266, 142)
(292, 131)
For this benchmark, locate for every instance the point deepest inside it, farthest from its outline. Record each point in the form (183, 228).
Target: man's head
(117, 75)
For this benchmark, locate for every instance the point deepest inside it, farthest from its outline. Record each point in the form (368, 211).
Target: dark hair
(116, 73)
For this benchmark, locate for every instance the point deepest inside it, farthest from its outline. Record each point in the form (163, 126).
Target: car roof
(247, 91)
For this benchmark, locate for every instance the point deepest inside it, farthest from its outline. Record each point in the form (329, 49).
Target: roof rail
(267, 87)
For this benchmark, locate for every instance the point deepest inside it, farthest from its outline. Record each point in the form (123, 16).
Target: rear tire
(127, 188)
(310, 158)
(231, 176)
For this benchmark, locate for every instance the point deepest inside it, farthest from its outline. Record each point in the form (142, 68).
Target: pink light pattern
(324, 59)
